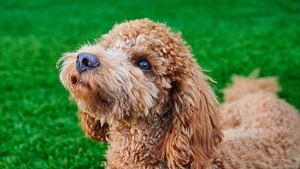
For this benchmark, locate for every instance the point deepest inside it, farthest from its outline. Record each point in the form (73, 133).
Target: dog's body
(140, 90)
(260, 129)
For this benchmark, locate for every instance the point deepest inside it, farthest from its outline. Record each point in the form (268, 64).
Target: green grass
(38, 124)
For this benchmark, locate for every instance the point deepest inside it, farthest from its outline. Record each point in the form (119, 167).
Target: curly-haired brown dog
(140, 90)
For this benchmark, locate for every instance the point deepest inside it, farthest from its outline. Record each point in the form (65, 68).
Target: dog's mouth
(75, 81)
(78, 82)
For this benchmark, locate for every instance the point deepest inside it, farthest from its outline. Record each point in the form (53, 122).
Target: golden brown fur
(168, 117)
(260, 129)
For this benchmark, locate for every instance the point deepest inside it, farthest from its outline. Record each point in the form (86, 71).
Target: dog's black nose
(86, 61)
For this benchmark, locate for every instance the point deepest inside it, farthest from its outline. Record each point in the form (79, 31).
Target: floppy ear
(195, 133)
(93, 127)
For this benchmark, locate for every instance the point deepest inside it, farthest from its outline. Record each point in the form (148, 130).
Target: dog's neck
(137, 143)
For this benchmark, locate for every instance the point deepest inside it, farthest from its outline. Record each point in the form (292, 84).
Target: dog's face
(140, 69)
(127, 74)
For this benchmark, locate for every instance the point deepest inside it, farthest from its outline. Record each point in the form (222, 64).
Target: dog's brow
(115, 52)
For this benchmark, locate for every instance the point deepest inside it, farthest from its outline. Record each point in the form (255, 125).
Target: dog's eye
(143, 64)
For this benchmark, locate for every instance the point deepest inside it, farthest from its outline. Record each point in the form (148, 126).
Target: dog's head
(140, 69)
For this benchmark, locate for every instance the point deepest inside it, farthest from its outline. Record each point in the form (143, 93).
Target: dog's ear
(93, 127)
(194, 133)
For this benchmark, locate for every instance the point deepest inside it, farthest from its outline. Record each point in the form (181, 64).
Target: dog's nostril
(86, 61)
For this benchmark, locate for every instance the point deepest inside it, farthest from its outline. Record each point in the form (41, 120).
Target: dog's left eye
(143, 64)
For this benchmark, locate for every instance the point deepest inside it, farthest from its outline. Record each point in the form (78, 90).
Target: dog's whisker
(65, 57)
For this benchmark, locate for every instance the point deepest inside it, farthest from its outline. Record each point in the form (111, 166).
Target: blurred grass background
(38, 124)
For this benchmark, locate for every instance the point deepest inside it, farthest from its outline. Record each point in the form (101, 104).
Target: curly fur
(168, 117)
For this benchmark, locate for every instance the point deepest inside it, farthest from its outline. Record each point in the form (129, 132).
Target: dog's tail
(245, 85)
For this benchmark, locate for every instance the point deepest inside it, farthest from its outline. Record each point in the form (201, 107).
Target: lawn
(38, 124)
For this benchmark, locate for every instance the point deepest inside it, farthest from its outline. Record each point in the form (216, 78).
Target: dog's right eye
(143, 64)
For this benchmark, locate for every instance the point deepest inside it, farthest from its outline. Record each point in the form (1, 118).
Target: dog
(140, 90)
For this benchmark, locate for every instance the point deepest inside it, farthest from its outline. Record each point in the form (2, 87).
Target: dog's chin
(90, 98)
(97, 107)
